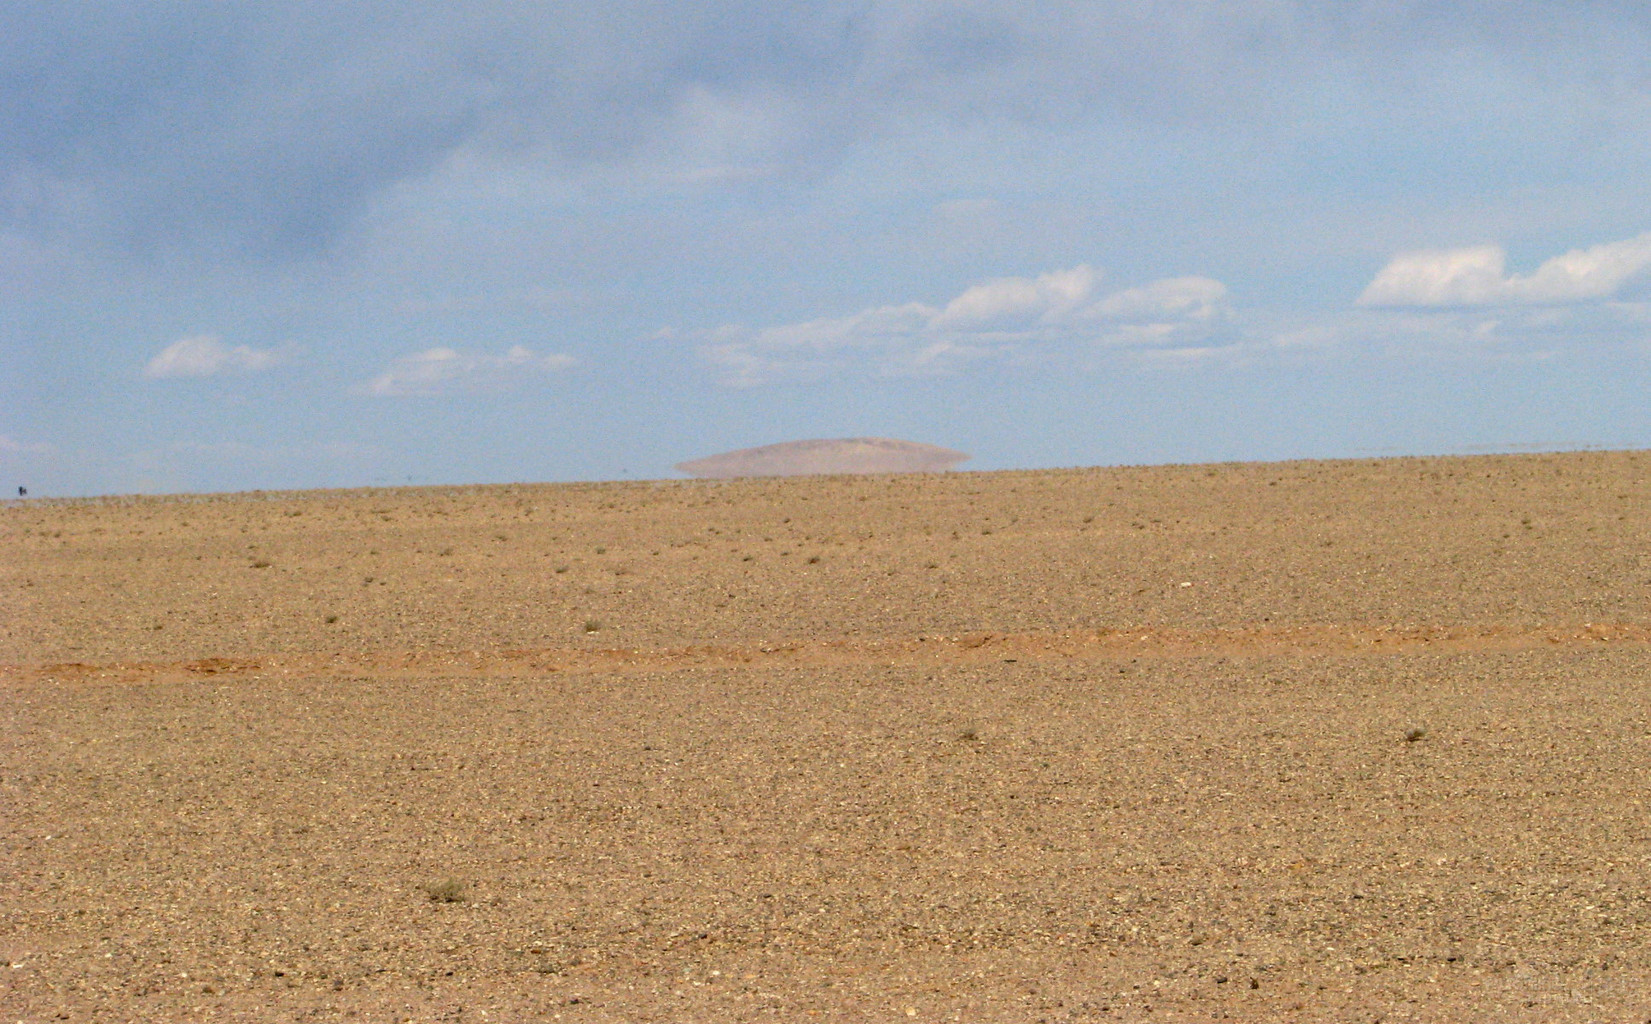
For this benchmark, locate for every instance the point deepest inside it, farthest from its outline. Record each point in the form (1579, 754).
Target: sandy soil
(1355, 741)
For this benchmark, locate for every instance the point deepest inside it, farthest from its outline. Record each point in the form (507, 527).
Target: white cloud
(12, 446)
(441, 370)
(1009, 317)
(1007, 300)
(1459, 334)
(1173, 299)
(1477, 276)
(204, 355)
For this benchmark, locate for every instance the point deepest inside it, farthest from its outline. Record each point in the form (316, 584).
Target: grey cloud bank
(270, 127)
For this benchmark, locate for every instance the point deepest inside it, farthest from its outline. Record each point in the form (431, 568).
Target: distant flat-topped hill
(847, 455)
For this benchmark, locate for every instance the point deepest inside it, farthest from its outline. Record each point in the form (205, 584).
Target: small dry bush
(448, 890)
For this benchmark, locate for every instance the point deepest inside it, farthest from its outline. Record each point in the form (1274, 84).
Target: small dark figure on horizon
(22, 492)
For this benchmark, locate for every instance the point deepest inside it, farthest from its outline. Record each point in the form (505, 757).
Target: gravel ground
(1358, 741)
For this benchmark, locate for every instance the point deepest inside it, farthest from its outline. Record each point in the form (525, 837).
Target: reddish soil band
(974, 648)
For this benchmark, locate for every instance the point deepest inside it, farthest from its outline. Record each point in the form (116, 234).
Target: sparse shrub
(592, 626)
(448, 890)
(1412, 735)
(329, 620)
(259, 563)
(561, 568)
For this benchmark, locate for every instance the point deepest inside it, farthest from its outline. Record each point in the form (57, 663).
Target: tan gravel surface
(1349, 741)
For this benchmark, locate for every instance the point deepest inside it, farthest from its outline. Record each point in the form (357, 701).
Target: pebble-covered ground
(1355, 741)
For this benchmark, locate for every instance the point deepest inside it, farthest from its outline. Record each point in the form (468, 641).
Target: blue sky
(249, 245)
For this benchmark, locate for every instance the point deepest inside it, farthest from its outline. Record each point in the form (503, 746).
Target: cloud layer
(1009, 317)
(1453, 304)
(1478, 276)
(273, 125)
(444, 370)
(205, 355)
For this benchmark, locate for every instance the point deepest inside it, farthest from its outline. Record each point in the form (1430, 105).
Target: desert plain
(1316, 741)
